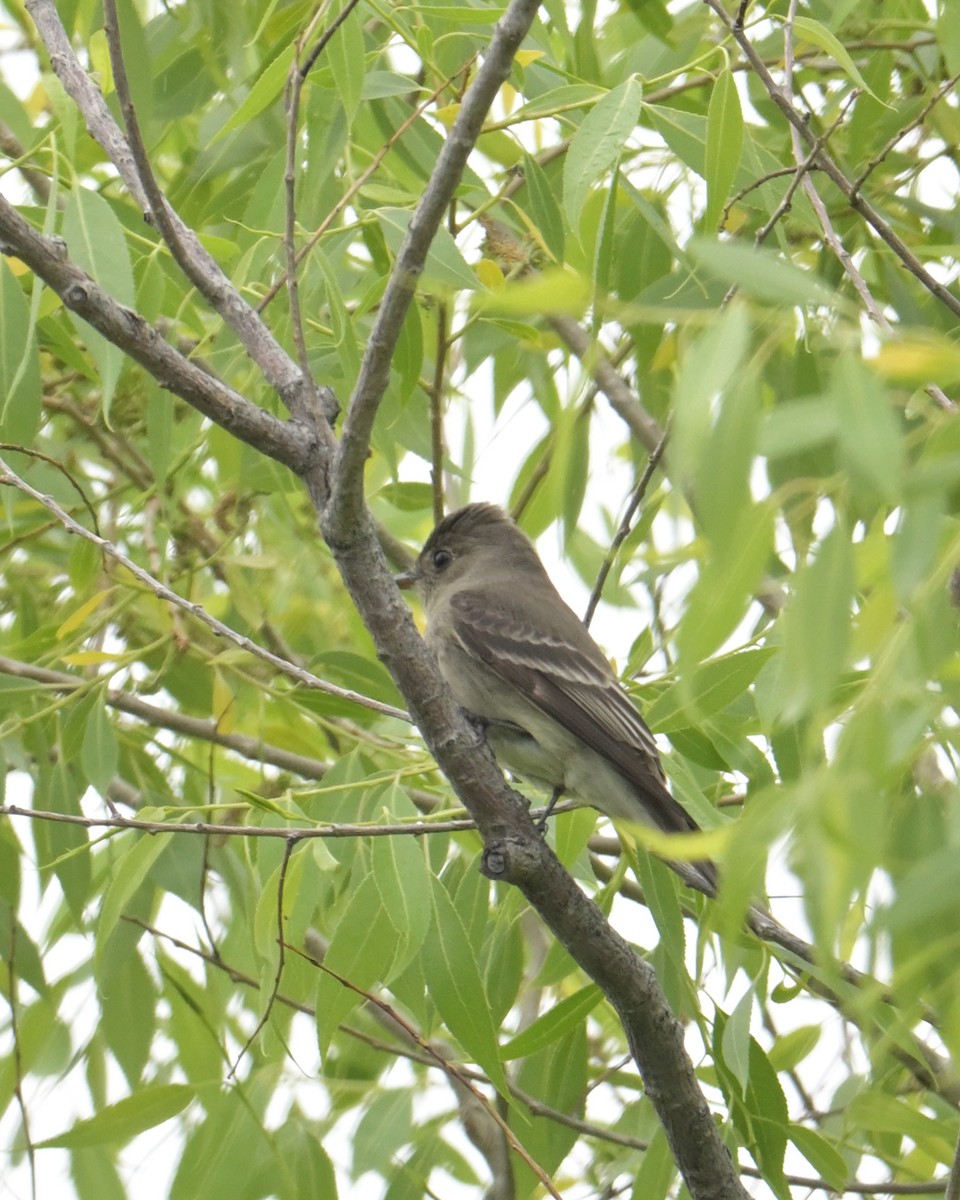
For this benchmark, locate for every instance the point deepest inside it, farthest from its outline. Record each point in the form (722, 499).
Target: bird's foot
(542, 823)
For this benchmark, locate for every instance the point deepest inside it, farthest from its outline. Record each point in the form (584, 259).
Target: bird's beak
(407, 579)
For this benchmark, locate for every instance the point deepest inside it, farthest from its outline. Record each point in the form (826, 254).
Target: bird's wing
(566, 677)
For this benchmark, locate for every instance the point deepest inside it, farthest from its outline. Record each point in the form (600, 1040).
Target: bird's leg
(555, 796)
(478, 724)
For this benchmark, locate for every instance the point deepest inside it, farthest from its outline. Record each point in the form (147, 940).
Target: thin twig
(210, 829)
(444, 1064)
(288, 442)
(371, 169)
(536, 1106)
(945, 88)
(295, 82)
(880, 226)
(288, 849)
(952, 1191)
(252, 748)
(343, 516)
(295, 389)
(623, 399)
(830, 235)
(7, 476)
(800, 172)
(325, 38)
(635, 500)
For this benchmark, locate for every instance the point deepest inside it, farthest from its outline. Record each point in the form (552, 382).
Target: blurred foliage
(792, 561)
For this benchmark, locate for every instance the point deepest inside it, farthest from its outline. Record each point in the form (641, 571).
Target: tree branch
(830, 168)
(7, 476)
(344, 516)
(286, 441)
(133, 164)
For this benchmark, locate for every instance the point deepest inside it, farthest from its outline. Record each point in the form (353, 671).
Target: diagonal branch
(345, 508)
(287, 442)
(203, 728)
(130, 157)
(7, 476)
(830, 168)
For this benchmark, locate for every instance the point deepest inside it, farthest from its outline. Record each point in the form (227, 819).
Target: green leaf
(948, 33)
(713, 686)
(129, 872)
(96, 242)
(793, 426)
(816, 627)
(455, 986)
(722, 486)
(264, 92)
(708, 367)
(99, 753)
(120, 1122)
(445, 269)
(20, 389)
(870, 437)
(345, 54)
(918, 904)
(724, 144)
(544, 208)
(308, 1164)
(403, 881)
(16, 944)
(230, 1154)
(761, 273)
(130, 989)
(658, 1169)
(822, 1155)
(806, 29)
(383, 1131)
(553, 1024)
(736, 1040)
(886, 1114)
(759, 1111)
(598, 143)
(726, 586)
(362, 949)
(790, 1049)
(10, 856)
(555, 290)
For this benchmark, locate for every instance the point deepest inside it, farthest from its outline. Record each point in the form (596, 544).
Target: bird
(523, 665)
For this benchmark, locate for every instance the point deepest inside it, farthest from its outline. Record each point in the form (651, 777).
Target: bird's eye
(442, 559)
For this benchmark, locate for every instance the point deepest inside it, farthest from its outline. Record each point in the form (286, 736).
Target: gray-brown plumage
(517, 657)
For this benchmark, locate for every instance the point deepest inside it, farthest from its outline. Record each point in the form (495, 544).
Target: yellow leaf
(223, 704)
(76, 619)
(666, 353)
(555, 290)
(685, 847)
(448, 114)
(100, 60)
(489, 274)
(918, 360)
(89, 658)
(525, 57)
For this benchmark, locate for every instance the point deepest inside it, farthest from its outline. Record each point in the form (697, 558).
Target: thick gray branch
(518, 854)
(287, 442)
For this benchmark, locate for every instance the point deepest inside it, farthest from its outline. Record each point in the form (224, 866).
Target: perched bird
(517, 658)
